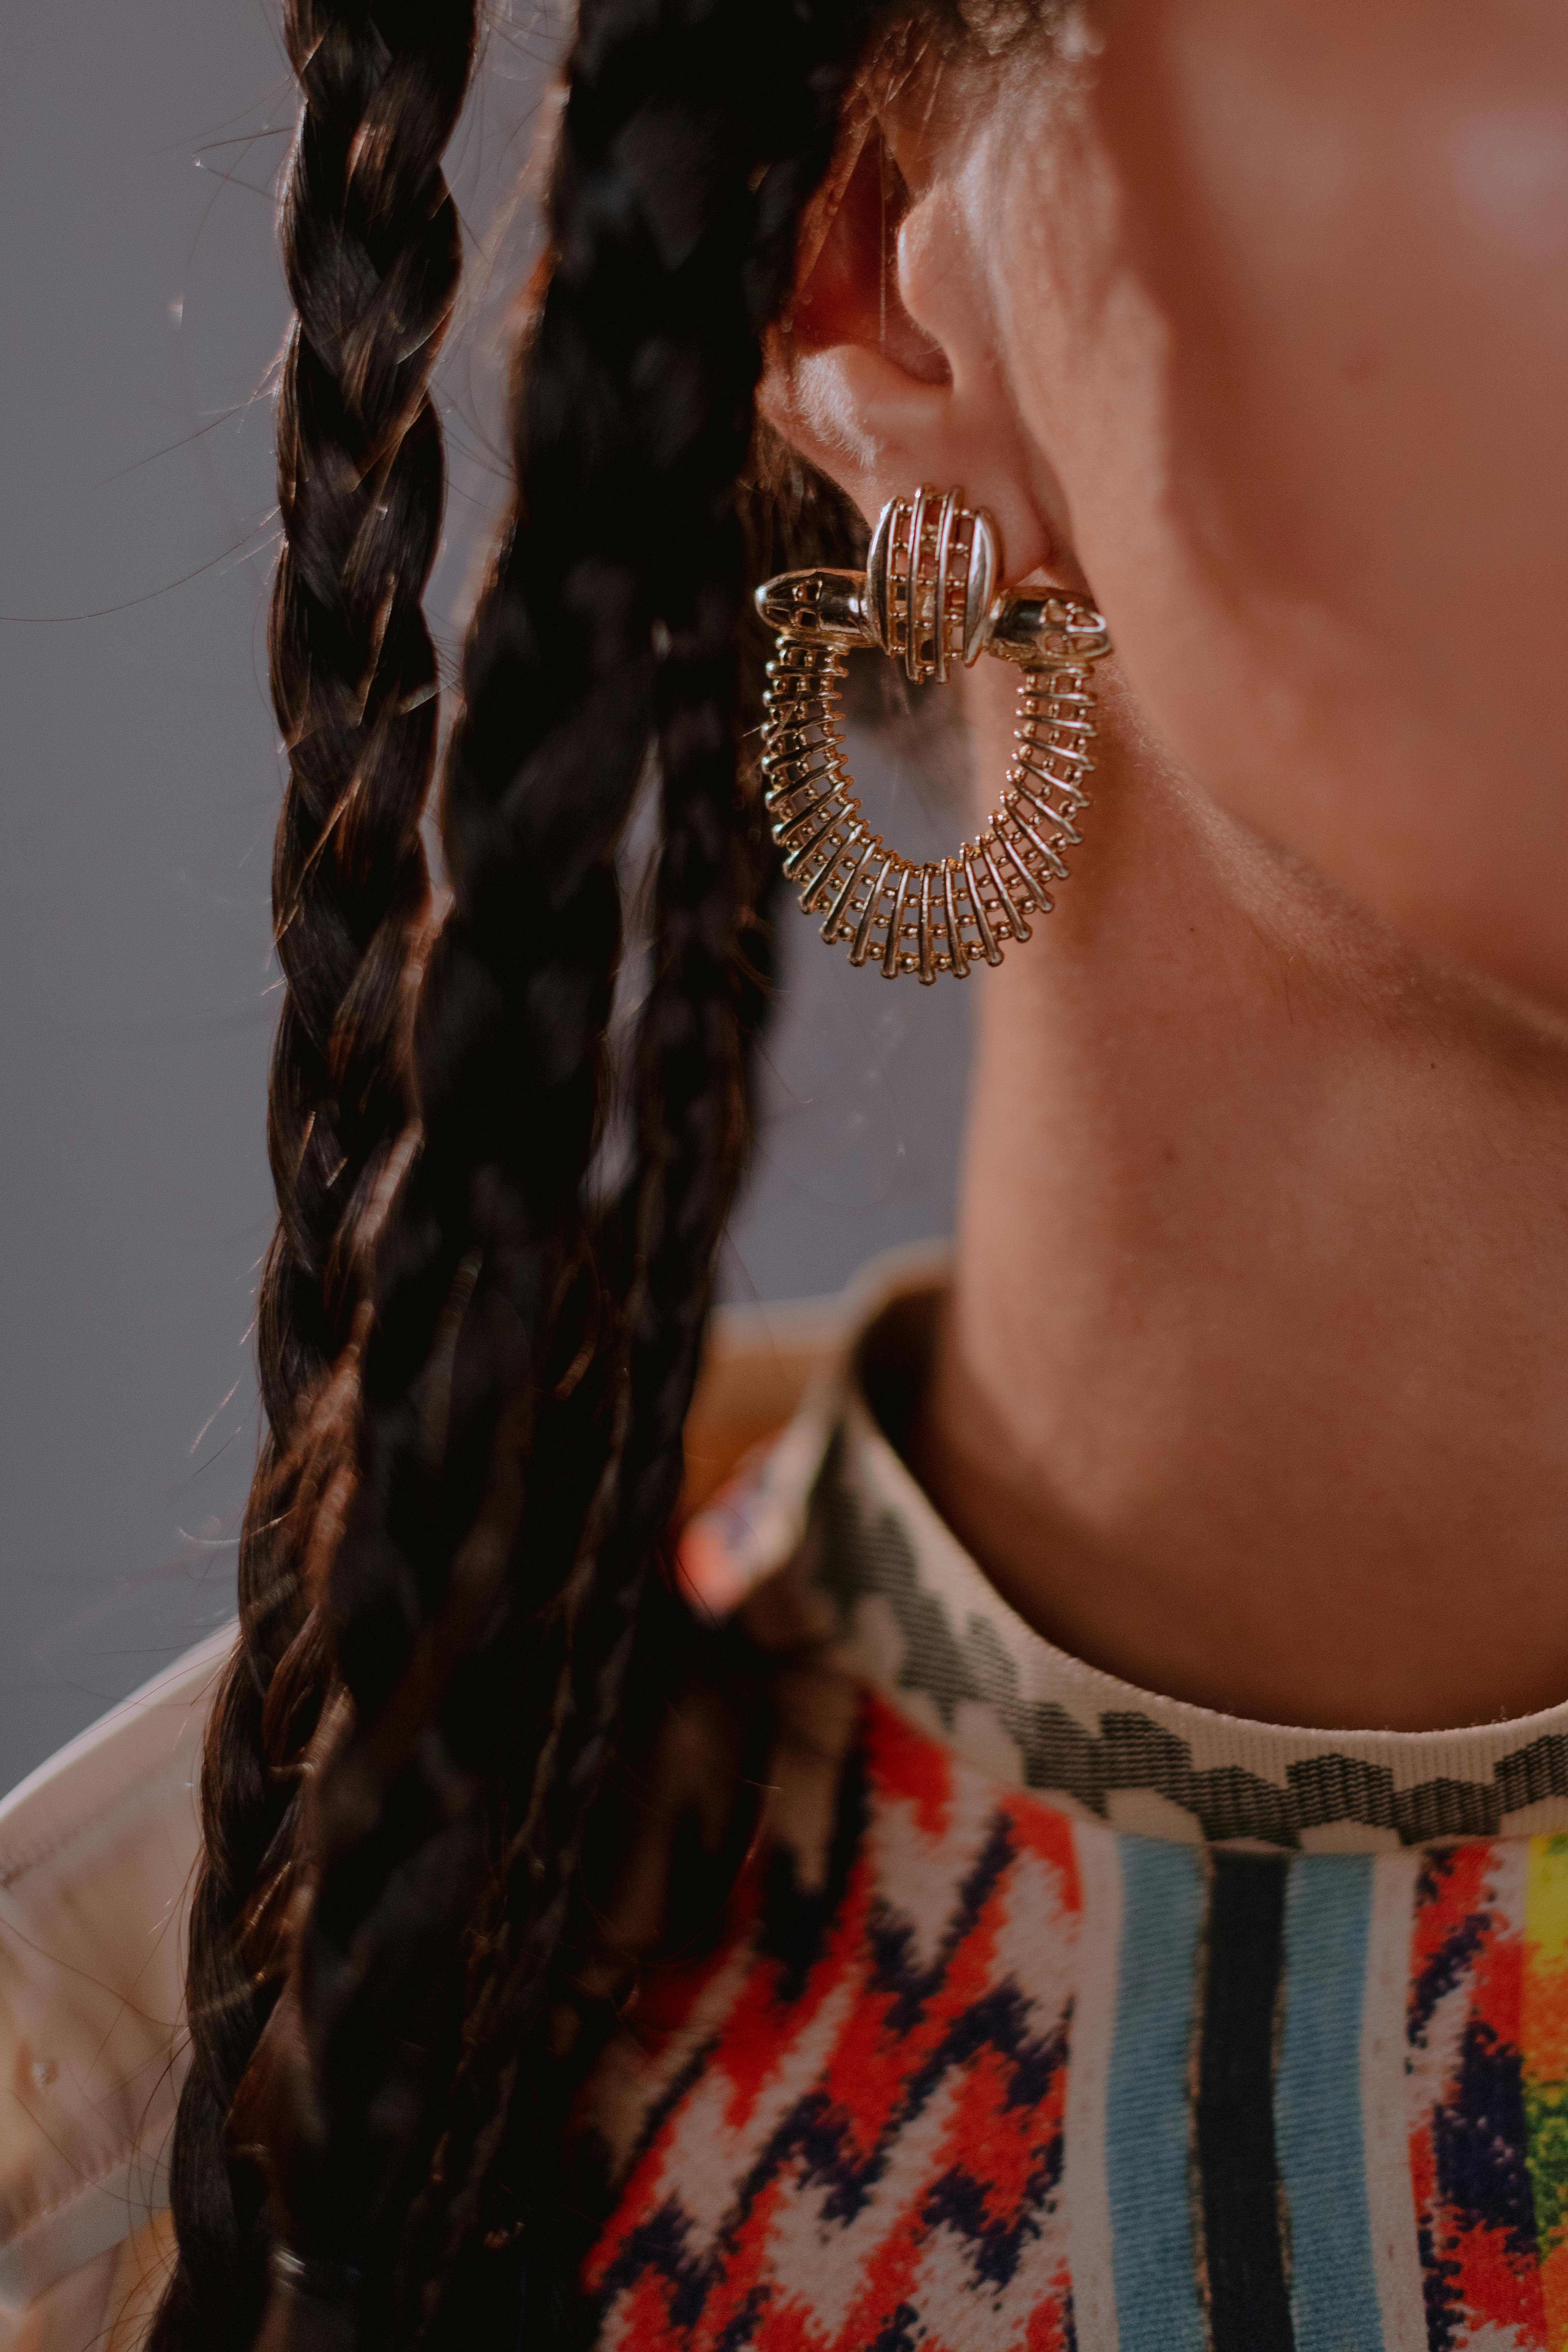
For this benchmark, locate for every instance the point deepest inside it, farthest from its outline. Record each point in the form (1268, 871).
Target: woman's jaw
(1255, 322)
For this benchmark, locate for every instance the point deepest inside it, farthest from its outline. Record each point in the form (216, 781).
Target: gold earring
(925, 598)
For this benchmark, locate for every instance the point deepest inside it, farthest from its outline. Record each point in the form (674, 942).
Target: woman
(957, 1944)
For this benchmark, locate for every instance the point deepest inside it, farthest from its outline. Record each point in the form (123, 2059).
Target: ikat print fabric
(1007, 2082)
(1049, 2016)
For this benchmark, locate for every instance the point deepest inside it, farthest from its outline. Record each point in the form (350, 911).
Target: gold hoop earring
(926, 598)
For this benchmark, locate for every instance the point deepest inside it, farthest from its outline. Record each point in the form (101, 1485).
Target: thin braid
(523, 1381)
(371, 252)
(694, 1082)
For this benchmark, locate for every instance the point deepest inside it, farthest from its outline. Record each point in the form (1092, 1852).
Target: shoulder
(98, 1850)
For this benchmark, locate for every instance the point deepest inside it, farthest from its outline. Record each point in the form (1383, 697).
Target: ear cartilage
(926, 599)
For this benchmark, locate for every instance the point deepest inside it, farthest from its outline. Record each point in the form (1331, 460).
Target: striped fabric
(1051, 2016)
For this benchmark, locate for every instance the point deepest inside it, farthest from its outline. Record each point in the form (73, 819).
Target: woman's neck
(1252, 1383)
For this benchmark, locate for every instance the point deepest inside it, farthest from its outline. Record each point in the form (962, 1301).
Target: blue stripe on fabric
(1148, 2124)
(1317, 2104)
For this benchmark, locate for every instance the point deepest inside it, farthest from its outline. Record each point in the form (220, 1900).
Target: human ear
(884, 373)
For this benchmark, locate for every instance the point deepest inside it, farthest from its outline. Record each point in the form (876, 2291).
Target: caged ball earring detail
(927, 599)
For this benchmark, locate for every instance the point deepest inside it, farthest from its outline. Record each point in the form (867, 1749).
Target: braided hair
(479, 1327)
(370, 245)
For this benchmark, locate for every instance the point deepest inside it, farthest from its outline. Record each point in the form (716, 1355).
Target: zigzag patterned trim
(863, 1553)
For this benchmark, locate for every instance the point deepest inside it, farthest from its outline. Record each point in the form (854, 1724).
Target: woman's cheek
(1300, 362)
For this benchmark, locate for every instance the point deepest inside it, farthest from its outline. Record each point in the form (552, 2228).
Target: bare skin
(1254, 1382)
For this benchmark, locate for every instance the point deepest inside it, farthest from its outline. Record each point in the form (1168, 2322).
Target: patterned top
(1048, 2013)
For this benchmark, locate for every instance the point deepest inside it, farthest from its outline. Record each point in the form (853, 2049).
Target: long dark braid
(489, 1574)
(522, 1382)
(693, 1109)
(370, 245)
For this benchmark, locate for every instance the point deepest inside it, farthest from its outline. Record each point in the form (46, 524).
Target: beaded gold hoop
(926, 598)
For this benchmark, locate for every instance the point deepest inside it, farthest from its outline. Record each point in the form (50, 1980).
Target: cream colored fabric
(103, 2306)
(97, 1850)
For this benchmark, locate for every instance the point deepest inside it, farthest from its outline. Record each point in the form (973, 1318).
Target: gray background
(143, 309)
